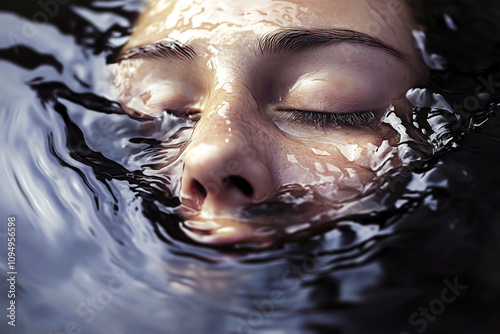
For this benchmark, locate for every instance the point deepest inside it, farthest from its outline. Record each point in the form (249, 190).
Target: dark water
(99, 249)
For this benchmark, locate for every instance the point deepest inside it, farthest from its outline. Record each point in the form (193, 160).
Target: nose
(224, 169)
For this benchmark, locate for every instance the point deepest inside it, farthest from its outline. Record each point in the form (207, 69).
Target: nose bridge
(230, 100)
(224, 167)
(229, 118)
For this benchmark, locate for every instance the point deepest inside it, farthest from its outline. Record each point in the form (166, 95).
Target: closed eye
(326, 119)
(192, 115)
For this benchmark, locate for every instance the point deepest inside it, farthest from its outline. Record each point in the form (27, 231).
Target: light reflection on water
(98, 240)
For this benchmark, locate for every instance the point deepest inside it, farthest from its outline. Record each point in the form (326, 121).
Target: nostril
(200, 189)
(241, 184)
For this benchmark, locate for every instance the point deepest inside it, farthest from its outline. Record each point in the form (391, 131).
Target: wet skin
(285, 94)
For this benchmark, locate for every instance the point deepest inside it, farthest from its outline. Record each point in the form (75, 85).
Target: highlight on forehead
(165, 49)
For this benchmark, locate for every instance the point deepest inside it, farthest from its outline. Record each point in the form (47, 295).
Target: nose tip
(219, 178)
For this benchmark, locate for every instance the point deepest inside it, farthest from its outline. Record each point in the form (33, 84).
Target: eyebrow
(166, 49)
(300, 40)
(277, 42)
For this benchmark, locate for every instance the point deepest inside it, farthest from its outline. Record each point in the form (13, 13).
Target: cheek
(349, 161)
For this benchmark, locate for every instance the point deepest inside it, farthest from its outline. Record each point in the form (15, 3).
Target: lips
(221, 232)
(234, 228)
(259, 225)
(294, 213)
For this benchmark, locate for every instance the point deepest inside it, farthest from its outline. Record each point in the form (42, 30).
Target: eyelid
(332, 105)
(326, 119)
(345, 107)
(175, 107)
(191, 114)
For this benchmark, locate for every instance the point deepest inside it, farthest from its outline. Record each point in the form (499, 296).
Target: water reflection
(101, 246)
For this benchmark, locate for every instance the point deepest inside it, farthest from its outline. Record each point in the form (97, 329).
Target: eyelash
(193, 116)
(324, 119)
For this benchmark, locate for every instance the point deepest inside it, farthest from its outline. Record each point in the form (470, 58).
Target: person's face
(289, 95)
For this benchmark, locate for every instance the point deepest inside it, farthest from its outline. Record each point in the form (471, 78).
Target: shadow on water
(99, 248)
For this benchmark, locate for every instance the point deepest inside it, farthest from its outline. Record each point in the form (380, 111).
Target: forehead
(185, 20)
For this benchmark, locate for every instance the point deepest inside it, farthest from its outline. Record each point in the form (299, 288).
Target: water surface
(100, 250)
